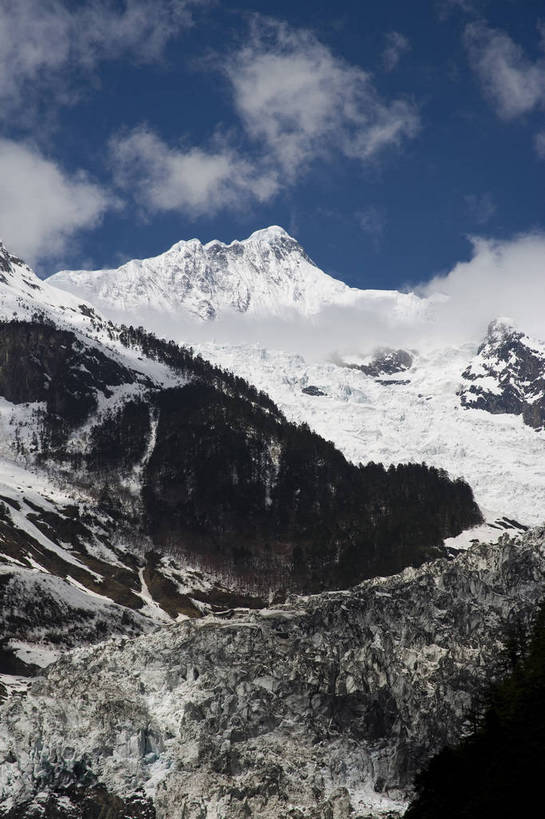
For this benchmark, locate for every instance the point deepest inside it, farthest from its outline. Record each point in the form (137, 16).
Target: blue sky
(381, 135)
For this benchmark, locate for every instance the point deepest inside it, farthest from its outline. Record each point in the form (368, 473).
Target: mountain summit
(267, 273)
(507, 375)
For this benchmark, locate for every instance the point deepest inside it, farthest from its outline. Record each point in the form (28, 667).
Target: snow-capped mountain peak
(15, 269)
(268, 235)
(508, 374)
(500, 328)
(21, 289)
(267, 273)
(274, 235)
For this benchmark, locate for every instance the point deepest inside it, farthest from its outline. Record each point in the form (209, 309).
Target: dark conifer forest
(497, 771)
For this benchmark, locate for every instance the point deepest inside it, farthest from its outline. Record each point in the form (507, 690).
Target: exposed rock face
(507, 375)
(75, 802)
(274, 713)
(313, 390)
(386, 362)
(7, 259)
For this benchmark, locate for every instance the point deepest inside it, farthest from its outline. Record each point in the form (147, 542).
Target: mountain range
(195, 540)
(267, 274)
(137, 473)
(419, 410)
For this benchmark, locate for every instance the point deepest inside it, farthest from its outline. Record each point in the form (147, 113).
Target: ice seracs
(324, 708)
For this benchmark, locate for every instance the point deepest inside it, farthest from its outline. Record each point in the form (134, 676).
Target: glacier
(322, 707)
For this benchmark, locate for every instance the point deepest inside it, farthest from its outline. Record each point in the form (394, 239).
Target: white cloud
(193, 180)
(503, 278)
(44, 43)
(396, 46)
(296, 102)
(41, 207)
(142, 28)
(371, 220)
(514, 84)
(465, 6)
(301, 102)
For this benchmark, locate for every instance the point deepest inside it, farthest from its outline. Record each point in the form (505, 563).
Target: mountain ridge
(507, 375)
(266, 274)
(190, 496)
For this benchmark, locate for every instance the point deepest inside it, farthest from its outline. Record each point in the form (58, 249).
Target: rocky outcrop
(385, 362)
(322, 708)
(507, 375)
(312, 390)
(76, 802)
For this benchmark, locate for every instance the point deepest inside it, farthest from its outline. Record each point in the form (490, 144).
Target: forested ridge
(244, 485)
(497, 770)
(227, 481)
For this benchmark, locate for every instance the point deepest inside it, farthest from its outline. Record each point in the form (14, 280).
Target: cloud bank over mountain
(502, 278)
(266, 291)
